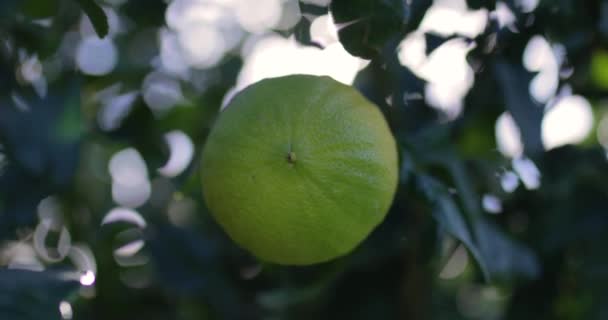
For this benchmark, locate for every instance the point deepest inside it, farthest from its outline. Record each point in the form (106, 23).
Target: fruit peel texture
(299, 169)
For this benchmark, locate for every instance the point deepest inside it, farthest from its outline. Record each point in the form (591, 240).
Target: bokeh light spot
(65, 308)
(124, 215)
(181, 153)
(456, 265)
(491, 204)
(569, 121)
(96, 56)
(508, 136)
(87, 278)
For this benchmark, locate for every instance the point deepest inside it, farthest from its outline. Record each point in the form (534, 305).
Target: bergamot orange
(299, 169)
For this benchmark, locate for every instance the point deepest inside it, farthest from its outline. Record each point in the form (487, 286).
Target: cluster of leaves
(544, 254)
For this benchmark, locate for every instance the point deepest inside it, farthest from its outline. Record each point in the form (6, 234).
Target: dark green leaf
(186, 263)
(448, 215)
(417, 9)
(365, 26)
(7, 9)
(302, 32)
(168, 245)
(30, 295)
(41, 134)
(504, 257)
(96, 15)
(434, 41)
(39, 9)
(153, 15)
(527, 113)
(478, 4)
(499, 257)
(312, 10)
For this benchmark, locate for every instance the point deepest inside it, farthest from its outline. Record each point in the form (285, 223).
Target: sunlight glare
(181, 151)
(508, 136)
(87, 278)
(65, 308)
(528, 172)
(124, 215)
(161, 92)
(128, 167)
(569, 121)
(448, 17)
(323, 31)
(274, 56)
(540, 57)
(456, 264)
(96, 57)
(446, 69)
(491, 204)
(258, 16)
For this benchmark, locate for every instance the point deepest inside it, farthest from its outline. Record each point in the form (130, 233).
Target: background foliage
(473, 233)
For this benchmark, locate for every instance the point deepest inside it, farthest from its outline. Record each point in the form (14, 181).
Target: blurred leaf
(599, 69)
(448, 215)
(603, 19)
(96, 15)
(503, 256)
(434, 41)
(7, 11)
(187, 263)
(417, 10)
(180, 257)
(498, 256)
(302, 33)
(284, 298)
(403, 90)
(30, 295)
(39, 9)
(20, 193)
(7, 74)
(32, 38)
(311, 9)
(42, 156)
(527, 113)
(479, 4)
(39, 133)
(365, 26)
(374, 83)
(153, 15)
(70, 126)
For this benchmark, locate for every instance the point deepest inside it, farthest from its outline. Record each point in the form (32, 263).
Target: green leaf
(70, 124)
(527, 113)
(599, 69)
(40, 9)
(98, 17)
(366, 26)
(498, 256)
(504, 256)
(54, 128)
(7, 12)
(479, 4)
(30, 295)
(448, 215)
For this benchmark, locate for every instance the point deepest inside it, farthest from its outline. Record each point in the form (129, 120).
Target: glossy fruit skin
(299, 169)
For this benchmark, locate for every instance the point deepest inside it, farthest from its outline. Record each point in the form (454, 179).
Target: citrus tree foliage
(473, 233)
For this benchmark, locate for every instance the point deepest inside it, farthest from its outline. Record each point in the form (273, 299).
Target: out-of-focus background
(500, 109)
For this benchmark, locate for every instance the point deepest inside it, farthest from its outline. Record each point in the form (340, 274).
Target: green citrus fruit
(299, 169)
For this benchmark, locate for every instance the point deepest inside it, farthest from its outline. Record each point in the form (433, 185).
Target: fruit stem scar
(291, 157)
